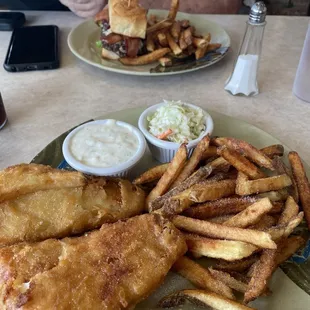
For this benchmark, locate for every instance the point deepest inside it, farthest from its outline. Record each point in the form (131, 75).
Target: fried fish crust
(67, 211)
(112, 268)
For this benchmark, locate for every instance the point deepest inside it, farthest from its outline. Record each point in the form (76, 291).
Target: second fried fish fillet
(29, 178)
(112, 268)
(62, 212)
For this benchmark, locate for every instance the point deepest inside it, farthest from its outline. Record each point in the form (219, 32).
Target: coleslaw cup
(164, 151)
(120, 170)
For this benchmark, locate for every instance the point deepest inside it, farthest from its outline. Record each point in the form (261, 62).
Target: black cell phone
(33, 48)
(11, 20)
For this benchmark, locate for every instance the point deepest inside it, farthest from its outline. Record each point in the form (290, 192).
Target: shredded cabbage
(185, 122)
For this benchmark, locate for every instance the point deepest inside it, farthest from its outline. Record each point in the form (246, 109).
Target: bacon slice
(133, 46)
(102, 15)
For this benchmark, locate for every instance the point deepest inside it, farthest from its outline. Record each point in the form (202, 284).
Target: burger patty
(120, 45)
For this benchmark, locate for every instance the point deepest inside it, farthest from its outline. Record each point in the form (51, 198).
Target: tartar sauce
(103, 145)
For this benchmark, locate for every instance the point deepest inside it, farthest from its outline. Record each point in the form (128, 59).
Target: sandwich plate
(82, 43)
(290, 289)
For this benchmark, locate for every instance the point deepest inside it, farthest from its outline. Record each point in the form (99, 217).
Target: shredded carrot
(164, 135)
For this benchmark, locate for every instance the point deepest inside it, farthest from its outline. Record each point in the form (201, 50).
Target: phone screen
(33, 45)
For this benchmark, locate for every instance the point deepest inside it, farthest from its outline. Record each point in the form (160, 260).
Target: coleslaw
(177, 122)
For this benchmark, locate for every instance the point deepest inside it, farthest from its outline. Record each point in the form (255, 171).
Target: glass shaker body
(243, 79)
(301, 87)
(3, 117)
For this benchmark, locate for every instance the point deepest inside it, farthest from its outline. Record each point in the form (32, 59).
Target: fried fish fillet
(112, 268)
(58, 213)
(29, 178)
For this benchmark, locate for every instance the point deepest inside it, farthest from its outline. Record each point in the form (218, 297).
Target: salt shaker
(243, 79)
(301, 87)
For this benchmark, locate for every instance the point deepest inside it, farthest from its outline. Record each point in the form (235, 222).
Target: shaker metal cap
(258, 13)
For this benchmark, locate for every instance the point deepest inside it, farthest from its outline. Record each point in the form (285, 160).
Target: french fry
(213, 158)
(193, 161)
(290, 211)
(165, 61)
(273, 150)
(190, 50)
(184, 23)
(288, 247)
(220, 207)
(248, 187)
(226, 206)
(239, 276)
(199, 42)
(280, 231)
(202, 192)
(219, 176)
(150, 44)
(280, 195)
(173, 170)
(240, 163)
(173, 45)
(246, 149)
(147, 187)
(174, 7)
(220, 165)
(302, 182)
(200, 52)
(152, 20)
(211, 151)
(215, 301)
(145, 59)
(198, 193)
(208, 37)
(220, 219)
(251, 215)
(265, 222)
(201, 277)
(215, 248)
(281, 168)
(175, 30)
(213, 47)
(162, 39)
(152, 174)
(230, 175)
(261, 274)
(239, 265)
(163, 24)
(188, 35)
(208, 229)
(230, 281)
(182, 43)
(201, 173)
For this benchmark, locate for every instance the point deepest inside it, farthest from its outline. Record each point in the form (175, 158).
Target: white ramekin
(164, 151)
(120, 170)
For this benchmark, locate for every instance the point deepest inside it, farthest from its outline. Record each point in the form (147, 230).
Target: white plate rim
(138, 73)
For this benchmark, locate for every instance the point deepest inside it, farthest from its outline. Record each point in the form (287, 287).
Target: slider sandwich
(123, 29)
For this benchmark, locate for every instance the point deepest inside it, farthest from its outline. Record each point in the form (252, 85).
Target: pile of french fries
(170, 38)
(236, 205)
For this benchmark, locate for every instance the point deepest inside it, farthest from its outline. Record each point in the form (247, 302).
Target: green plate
(297, 269)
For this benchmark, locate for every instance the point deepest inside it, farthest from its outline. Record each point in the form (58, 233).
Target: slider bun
(127, 20)
(109, 54)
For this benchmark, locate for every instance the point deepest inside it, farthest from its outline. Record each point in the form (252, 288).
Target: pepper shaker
(243, 79)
